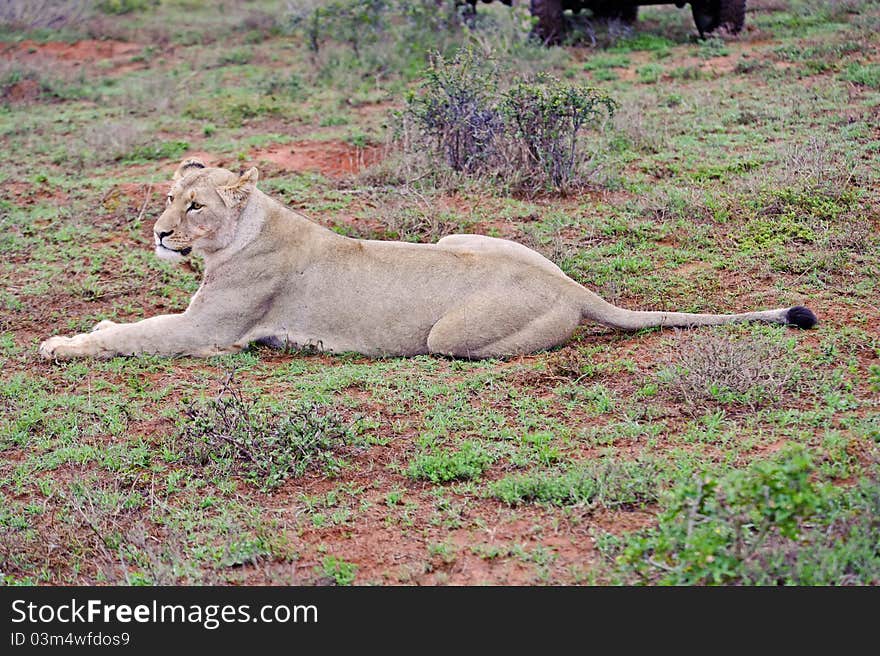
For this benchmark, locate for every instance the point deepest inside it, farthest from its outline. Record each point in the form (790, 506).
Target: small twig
(94, 529)
(417, 178)
(237, 445)
(692, 513)
(666, 568)
(110, 293)
(146, 200)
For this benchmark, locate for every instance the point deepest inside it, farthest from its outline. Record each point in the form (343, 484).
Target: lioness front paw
(101, 325)
(64, 348)
(54, 347)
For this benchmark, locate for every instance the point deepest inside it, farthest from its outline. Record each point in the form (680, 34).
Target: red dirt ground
(118, 53)
(25, 193)
(333, 159)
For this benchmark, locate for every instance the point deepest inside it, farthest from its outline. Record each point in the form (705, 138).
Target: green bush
(235, 57)
(233, 110)
(544, 118)
(372, 29)
(874, 377)
(457, 113)
(770, 524)
(785, 216)
(527, 136)
(354, 22)
(286, 85)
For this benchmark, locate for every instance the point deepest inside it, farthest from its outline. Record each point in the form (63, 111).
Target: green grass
(645, 41)
(865, 74)
(340, 571)
(608, 483)
(441, 466)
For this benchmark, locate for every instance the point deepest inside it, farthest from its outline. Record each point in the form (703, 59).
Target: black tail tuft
(801, 317)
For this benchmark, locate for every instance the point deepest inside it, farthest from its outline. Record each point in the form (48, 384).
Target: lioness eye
(194, 206)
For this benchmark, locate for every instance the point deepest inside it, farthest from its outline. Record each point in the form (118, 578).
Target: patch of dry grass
(51, 14)
(713, 368)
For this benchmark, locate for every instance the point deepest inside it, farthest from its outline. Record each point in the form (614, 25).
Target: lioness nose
(162, 235)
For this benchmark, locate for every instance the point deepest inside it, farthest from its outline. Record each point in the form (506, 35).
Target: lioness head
(202, 209)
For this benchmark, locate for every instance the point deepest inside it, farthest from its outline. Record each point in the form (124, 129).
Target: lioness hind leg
(497, 328)
(103, 325)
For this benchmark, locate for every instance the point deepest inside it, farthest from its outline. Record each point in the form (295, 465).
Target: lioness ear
(236, 194)
(185, 166)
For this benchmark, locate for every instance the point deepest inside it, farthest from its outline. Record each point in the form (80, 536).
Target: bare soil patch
(117, 54)
(25, 193)
(334, 159)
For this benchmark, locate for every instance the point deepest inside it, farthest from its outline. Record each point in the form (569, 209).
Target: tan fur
(272, 275)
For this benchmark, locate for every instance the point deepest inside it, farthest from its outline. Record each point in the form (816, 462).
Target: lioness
(275, 277)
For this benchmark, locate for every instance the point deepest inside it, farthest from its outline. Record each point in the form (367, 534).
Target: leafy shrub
(289, 85)
(770, 524)
(650, 73)
(456, 110)
(233, 434)
(765, 233)
(814, 202)
(352, 44)
(527, 135)
(233, 109)
(545, 118)
(354, 22)
(798, 214)
(874, 377)
(371, 27)
(235, 56)
(644, 41)
(20, 82)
